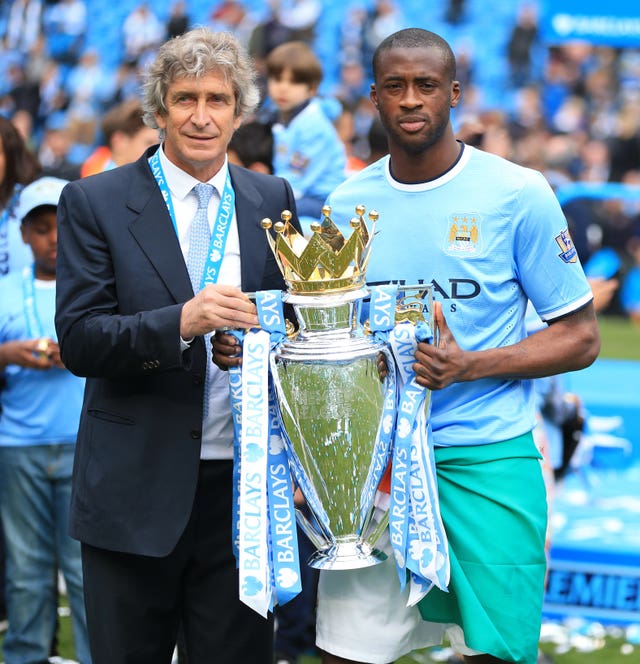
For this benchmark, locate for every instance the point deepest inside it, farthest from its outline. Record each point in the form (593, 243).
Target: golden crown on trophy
(327, 262)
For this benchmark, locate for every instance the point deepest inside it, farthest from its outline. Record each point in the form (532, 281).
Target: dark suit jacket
(121, 281)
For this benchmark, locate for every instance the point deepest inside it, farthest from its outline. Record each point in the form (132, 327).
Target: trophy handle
(316, 539)
(375, 534)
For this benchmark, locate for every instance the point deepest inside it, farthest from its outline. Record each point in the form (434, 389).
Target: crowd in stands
(571, 110)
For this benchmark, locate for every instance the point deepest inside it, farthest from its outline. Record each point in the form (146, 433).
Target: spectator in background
(178, 21)
(126, 84)
(300, 17)
(352, 85)
(65, 24)
(88, 84)
(624, 145)
(53, 97)
(22, 120)
(378, 141)
(18, 167)
(40, 408)
(125, 136)
(142, 31)
(251, 146)
(345, 126)
(307, 149)
(24, 25)
(520, 45)
(231, 16)
(55, 148)
(385, 18)
(352, 37)
(23, 94)
(455, 11)
(89, 87)
(265, 36)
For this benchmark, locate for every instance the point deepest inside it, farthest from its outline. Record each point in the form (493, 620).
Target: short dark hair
(298, 57)
(126, 117)
(416, 38)
(35, 212)
(253, 142)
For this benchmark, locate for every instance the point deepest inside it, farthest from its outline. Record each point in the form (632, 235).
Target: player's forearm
(569, 344)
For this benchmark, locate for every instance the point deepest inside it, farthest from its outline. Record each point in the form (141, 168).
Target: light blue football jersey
(38, 407)
(308, 153)
(488, 235)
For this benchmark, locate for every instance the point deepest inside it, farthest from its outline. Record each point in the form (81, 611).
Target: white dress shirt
(217, 428)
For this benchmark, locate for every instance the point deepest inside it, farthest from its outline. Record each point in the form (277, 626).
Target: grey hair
(194, 54)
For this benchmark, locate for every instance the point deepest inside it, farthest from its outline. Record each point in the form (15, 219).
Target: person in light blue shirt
(40, 410)
(307, 149)
(487, 235)
(18, 166)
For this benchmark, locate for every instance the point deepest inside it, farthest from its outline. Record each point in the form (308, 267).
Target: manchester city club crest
(463, 234)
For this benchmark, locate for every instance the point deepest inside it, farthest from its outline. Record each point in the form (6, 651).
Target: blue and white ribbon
(417, 534)
(34, 326)
(381, 322)
(253, 517)
(265, 536)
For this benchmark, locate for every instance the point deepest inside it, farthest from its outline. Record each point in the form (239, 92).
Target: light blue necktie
(199, 236)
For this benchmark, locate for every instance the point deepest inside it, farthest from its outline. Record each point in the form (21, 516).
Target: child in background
(40, 409)
(126, 137)
(307, 149)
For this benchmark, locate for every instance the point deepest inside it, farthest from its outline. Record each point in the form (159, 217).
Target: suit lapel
(154, 232)
(250, 210)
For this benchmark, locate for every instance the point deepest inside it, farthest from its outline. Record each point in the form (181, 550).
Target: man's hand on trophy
(439, 365)
(217, 307)
(226, 350)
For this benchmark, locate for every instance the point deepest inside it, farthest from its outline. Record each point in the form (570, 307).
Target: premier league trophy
(336, 410)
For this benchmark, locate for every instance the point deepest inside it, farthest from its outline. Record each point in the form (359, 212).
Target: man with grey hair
(152, 258)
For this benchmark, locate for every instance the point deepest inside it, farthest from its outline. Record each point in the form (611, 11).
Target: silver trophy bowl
(331, 398)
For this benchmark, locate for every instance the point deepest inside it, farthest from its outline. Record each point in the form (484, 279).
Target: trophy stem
(328, 313)
(348, 553)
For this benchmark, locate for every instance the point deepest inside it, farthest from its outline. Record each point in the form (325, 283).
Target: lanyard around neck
(34, 326)
(221, 224)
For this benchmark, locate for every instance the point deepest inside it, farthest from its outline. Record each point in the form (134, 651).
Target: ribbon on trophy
(264, 530)
(416, 530)
(382, 306)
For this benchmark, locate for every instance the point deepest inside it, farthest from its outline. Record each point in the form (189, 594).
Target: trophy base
(346, 555)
